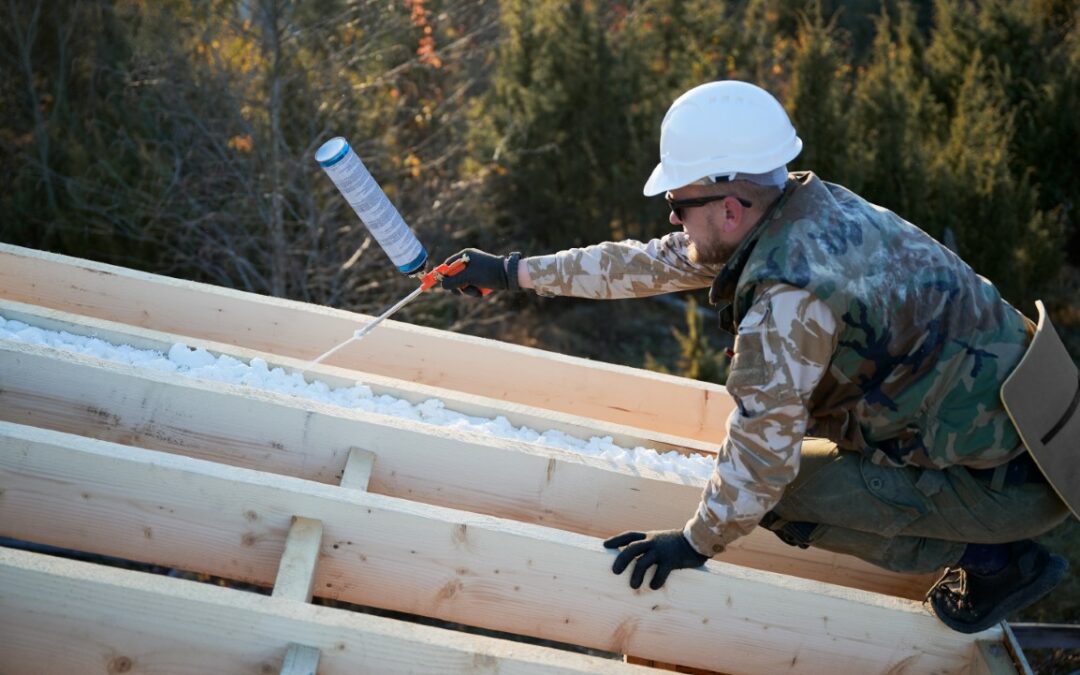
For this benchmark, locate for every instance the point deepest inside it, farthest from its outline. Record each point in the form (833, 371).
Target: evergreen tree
(663, 48)
(1008, 34)
(1047, 139)
(818, 100)
(998, 227)
(894, 121)
(1014, 92)
(557, 124)
(1058, 140)
(765, 43)
(954, 36)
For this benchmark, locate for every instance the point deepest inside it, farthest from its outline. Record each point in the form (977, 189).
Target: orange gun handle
(439, 273)
(453, 268)
(442, 271)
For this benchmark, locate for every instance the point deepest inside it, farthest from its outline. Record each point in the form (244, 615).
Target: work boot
(968, 602)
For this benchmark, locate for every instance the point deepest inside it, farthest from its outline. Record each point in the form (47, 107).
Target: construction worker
(867, 369)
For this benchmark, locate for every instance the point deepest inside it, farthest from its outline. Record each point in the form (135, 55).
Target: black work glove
(667, 549)
(497, 272)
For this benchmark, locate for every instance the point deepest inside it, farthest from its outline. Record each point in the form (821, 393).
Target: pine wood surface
(281, 458)
(60, 617)
(533, 377)
(81, 493)
(281, 434)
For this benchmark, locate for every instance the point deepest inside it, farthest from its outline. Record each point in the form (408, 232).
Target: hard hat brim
(667, 177)
(659, 182)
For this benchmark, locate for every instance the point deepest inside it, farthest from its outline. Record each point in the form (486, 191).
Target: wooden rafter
(469, 404)
(81, 493)
(575, 386)
(62, 616)
(270, 486)
(290, 436)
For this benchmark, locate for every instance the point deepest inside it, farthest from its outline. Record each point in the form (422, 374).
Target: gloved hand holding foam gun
(486, 271)
(460, 263)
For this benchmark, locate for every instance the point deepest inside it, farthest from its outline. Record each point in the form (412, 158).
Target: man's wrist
(512, 262)
(701, 538)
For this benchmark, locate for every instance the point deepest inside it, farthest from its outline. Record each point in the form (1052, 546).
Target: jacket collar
(722, 292)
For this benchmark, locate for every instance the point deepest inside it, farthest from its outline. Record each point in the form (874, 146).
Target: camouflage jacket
(853, 325)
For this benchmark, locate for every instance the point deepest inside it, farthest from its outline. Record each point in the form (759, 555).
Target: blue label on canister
(415, 264)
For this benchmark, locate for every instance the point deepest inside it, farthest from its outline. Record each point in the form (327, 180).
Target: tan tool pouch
(1042, 396)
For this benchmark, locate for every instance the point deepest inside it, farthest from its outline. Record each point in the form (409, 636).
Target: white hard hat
(722, 129)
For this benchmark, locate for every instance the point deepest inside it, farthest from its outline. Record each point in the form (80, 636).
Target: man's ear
(734, 214)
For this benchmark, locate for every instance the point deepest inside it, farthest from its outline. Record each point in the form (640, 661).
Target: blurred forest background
(178, 137)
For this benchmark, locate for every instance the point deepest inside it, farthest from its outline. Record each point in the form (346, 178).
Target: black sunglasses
(677, 205)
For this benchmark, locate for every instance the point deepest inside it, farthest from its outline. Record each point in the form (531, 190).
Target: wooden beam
(669, 667)
(358, 467)
(1019, 659)
(301, 660)
(282, 434)
(467, 404)
(532, 377)
(63, 616)
(989, 657)
(296, 572)
(81, 493)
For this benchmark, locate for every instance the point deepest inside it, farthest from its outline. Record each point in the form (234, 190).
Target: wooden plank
(1015, 650)
(358, 467)
(61, 616)
(301, 660)
(576, 386)
(296, 572)
(281, 434)
(467, 404)
(989, 657)
(1046, 635)
(670, 667)
(384, 552)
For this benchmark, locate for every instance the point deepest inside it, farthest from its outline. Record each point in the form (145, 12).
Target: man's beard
(713, 253)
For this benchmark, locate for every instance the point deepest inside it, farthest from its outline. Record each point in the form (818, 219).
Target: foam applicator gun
(384, 222)
(429, 281)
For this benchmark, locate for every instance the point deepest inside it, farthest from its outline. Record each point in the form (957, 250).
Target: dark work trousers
(908, 519)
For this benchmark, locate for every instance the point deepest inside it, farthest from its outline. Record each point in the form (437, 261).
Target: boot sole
(1019, 599)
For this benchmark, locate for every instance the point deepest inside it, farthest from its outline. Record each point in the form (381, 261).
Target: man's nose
(673, 218)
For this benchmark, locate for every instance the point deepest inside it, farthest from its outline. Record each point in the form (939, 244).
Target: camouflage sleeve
(625, 269)
(784, 345)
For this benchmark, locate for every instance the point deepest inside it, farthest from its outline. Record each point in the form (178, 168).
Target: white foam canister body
(371, 204)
